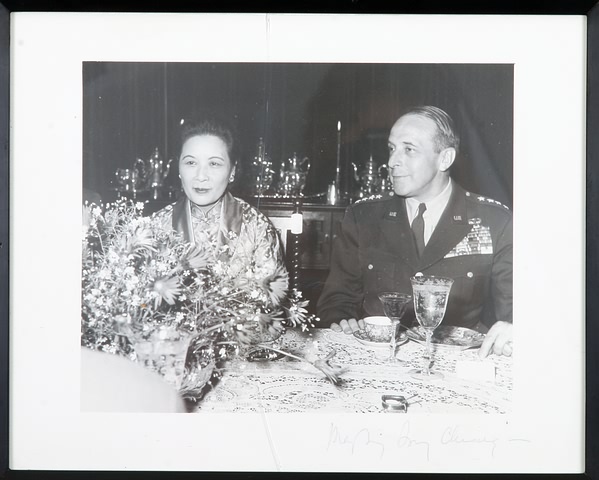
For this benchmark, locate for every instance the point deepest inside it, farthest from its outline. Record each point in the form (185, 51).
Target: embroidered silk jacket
(375, 252)
(250, 240)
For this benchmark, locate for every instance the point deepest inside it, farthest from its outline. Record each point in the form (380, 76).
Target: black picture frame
(352, 6)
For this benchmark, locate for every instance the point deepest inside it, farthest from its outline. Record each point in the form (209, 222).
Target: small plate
(361, 337)
(262, 355)
(456, 338)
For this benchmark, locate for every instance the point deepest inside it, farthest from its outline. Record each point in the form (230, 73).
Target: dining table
(287, 385)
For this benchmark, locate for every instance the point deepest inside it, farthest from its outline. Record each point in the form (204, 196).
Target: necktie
(418, 228)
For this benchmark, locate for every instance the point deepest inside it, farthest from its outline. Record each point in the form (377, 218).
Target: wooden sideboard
(321, 224)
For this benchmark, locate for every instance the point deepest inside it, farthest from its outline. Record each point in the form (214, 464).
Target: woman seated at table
(222, 225)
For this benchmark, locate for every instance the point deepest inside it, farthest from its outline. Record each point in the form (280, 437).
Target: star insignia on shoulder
(488, 200)
(377, 196)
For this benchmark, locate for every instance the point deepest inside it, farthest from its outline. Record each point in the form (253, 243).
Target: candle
(338, 169)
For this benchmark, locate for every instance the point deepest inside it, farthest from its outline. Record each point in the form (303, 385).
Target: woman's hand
(348, 326)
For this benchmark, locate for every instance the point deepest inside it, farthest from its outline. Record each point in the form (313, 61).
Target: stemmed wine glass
(394, 305)
(430, 301)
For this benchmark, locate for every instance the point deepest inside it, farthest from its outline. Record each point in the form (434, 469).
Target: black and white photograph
(336, 247)
(297, 280)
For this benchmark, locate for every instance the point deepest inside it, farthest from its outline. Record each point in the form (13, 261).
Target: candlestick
(338, 169)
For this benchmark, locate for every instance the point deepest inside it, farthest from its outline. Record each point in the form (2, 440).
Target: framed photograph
(100, 119)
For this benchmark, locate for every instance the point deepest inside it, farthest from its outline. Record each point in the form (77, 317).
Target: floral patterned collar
(212, 213)
(231, 219)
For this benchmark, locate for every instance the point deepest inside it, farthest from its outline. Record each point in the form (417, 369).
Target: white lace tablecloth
(287, 385)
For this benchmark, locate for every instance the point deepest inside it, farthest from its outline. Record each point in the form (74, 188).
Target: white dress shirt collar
(434, 210)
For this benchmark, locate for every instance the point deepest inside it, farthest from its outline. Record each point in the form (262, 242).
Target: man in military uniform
(430, 226)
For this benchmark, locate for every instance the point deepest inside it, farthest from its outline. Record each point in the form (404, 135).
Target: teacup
(378, 329)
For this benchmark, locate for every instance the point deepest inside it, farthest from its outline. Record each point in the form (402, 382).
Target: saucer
(363, 339)
(262, 355)
(448, 337)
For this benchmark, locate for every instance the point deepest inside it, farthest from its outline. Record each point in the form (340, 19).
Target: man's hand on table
(348, 326)
(498, 340)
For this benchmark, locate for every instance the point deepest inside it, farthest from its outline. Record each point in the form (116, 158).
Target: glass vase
(164, 352)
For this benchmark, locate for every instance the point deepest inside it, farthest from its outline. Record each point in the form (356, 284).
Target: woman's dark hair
(211, 124)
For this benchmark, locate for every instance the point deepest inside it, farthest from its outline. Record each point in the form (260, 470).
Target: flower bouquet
(151, 296)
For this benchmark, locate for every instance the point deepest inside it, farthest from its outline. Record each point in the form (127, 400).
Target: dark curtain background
(129, 109)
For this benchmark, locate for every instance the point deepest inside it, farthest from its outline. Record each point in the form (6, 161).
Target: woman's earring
(231, 178)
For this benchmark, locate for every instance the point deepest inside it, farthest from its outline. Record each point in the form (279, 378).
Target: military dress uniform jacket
(375, 252)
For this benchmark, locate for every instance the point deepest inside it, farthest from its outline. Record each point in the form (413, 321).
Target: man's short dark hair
(446, 136)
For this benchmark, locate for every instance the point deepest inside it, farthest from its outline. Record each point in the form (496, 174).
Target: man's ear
(447, 157)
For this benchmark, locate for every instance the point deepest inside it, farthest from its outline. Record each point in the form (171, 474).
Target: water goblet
(430, 301)
(394, 305)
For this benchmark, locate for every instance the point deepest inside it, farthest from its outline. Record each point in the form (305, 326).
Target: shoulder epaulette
(486, 200)
(377, 196)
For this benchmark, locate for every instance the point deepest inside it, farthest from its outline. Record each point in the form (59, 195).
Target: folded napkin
(479, 370)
